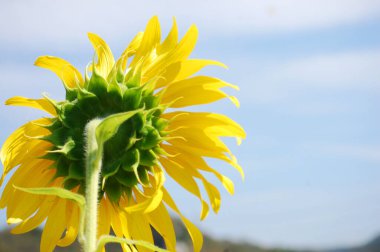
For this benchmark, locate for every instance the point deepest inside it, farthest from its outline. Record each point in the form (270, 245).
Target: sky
(310, 87)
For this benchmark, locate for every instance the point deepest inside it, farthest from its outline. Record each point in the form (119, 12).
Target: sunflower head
(152, 81)
(129, 156)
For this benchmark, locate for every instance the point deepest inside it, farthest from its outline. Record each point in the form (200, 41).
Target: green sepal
(51, 156)
(56, 124)
(160, 123)
(120, 75)
(113, 189)
(72, 116)
(151, 137)
(53, 102)
(76, 170)
(142, 175)
(148, 158)
(98, 85)
(71, 93)
(149, 86)
(132, 98)
(114, 96)
(133, 77)
(66, 148)
(62, 167)
(130, 160)
(151, 101)
(126, 178)
(160, 151)
(127, 191)
(58, 136)
(70, 183)
(108, 170)
(139, 121)
(89, 103)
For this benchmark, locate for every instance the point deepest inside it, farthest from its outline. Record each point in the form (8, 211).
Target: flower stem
(93, 168)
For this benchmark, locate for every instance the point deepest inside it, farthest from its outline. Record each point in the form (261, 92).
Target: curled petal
(69, 75)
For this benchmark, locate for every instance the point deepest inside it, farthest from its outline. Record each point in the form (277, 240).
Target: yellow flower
(149, 78)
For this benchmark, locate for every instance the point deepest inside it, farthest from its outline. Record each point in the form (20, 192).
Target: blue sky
(310, 88)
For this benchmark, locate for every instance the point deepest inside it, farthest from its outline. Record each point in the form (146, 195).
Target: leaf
(108, 127)
(55, 191)
(112, 239)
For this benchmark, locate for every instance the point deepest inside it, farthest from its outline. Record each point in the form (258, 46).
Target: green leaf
(54, 191)
(109, 126)
(112, 239)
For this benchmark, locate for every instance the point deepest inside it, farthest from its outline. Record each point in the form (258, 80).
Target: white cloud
(66, 21)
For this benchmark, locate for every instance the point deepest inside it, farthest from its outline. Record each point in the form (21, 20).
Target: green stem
(93, 168)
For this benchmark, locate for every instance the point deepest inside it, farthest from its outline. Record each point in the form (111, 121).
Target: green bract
(130, 153)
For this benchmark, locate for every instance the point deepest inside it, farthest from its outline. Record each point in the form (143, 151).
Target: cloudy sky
(310, 87)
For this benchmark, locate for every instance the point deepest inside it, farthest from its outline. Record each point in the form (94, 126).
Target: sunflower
(153, 79)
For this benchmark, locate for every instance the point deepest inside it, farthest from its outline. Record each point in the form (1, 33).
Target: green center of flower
(130, 154)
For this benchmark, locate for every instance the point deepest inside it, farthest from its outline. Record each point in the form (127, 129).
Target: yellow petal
(213, 123)
(200, 139)
(139, 229)
(21, 147)
(169, 75)
(147, 205)
(69, 75)
(151, 38)
(71, 232)
(161, 221)
(30, 202)
(116, 221)
(195, 91)
(171, 40)
(41, 104)
(191, 66)
(190, 160)
(195, 234)
(179, 53)
(54, 227)
(213, 194)
(130, 50)
(105, 57)
(104, 220)
(36, 220)
(206, 153)
(21, 150)
(182, 177)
